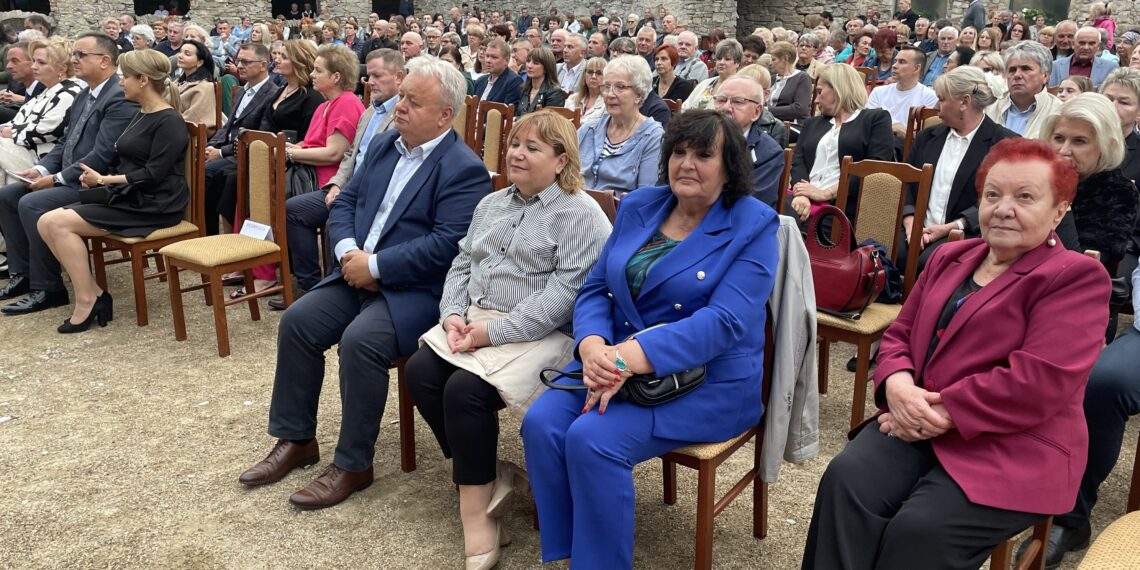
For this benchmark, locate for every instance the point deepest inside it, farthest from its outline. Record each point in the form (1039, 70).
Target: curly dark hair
(701, 129)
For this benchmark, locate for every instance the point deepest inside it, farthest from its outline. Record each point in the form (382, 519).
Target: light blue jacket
(634, 166)
(1101, 67)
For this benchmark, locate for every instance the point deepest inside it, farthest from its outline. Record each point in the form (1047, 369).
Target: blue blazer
(422, 233)
(767, 165)
(1100, 69)
(507, 89)
(713, 287)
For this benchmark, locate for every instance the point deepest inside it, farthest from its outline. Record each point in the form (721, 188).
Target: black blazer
(868, 137)
(680, 89)
(794, 102)
(963, 199)
(549, 95)
(250, 118)
(655, 108)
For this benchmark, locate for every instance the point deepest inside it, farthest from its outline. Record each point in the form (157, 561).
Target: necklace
(620, 136)
(138, 117)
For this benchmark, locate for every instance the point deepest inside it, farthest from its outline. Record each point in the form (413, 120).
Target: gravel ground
(120, 448)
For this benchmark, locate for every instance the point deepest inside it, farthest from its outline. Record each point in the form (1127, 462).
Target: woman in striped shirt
(505, 315)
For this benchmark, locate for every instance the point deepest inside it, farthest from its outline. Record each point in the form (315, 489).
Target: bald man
(411, 45)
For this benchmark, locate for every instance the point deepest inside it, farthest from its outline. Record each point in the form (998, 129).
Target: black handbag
(102, 195)
(299, 179)
(640, 389)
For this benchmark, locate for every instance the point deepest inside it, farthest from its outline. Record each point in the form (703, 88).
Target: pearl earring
(1052, 242)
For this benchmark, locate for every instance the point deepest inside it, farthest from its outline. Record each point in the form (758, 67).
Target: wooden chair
(499, 181)
(1134, 490)
(367, 97)
(917, 119)
(491, 130)
(605, 199)
(218, 101)
(261, 156)
(136, 250)
(869, 75)
(1034, 557)
(464, 122)
(785, 181)
(674, 105)
(879, 216)
(706, 457)
(1115, 546)
(573, 115)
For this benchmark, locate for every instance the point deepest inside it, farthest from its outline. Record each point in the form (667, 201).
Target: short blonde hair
(1126, 77)
(759, 73)
(849, 85)
(558, 132)
(783, 50)
(340, 59)
(1100, 114)
(58, 52)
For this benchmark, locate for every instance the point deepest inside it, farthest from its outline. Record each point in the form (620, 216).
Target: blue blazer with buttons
(712, 287)
(507, 89)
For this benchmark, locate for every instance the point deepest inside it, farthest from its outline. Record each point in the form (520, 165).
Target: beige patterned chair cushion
(1115, 548)
(213, 251)
(876, 318)
(708, 450)
(182, 228)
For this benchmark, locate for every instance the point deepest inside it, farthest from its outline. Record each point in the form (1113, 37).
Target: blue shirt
(935, 68)
(1016, 120)
(372, 129)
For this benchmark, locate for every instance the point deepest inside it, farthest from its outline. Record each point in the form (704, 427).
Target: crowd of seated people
(1035, 155)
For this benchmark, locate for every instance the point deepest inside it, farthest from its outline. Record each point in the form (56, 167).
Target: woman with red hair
(884, 43)
(981, 428)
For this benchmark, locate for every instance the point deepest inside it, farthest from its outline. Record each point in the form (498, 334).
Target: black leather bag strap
(544, 376)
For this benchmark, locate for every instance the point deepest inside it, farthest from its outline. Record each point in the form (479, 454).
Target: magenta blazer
(1011, 368)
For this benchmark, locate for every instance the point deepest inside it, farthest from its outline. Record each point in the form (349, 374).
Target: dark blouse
(639, 265)
(680, 89)
(294, 113)
(963, 292)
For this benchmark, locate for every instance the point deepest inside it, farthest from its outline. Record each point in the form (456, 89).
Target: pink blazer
(1012, 369)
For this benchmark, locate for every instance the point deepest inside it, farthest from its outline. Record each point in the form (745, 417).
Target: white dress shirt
(825, 170)
(568, 76)
(249, 95)
(406, 167)
(947, 168)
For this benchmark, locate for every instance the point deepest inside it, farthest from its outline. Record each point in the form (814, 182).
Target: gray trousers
(20, 210)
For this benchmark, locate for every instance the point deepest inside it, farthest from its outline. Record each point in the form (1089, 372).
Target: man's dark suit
(507, 88)
(375, 44)
(655, 108)
(963, 199)
(975, 15)
(767, 165)
(92, 129)
(250, 119)
(414, 252)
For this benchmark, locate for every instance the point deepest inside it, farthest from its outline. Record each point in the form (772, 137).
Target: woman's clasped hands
(914, 414)
(463, 336)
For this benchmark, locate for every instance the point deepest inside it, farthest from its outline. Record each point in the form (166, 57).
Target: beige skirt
(511, 368)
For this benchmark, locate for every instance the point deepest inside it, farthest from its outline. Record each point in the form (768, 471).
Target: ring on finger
(891, 434)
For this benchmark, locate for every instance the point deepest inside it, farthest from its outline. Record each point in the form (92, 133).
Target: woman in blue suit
(697, 254)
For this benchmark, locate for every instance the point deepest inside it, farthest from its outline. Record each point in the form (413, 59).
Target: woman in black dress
(147, 193)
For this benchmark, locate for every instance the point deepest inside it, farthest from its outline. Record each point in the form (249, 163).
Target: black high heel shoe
(101, 312)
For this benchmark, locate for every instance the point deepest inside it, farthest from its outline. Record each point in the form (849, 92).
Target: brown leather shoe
(332, 487)
(285, 457)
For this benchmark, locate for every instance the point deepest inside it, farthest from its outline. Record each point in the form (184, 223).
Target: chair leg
(138, 273)
(824, 345)
(407, 421)
(862, 366)
(669, 478)
(250, 288)
(98, 263)
(161, 266)
(706, 502)
(1134, 492)
(1041, 539)
(759, 490)
(176, 308)
(220, 326)
(209, 284)
(1002, 557)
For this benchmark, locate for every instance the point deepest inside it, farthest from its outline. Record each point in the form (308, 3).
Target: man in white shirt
(905, 92)
(690, 67)
(570, 70)
(570, 23)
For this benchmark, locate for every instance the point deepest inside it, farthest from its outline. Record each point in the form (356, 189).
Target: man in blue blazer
(97, 118)
(396, 226)
(506, 85)
(1086, 45)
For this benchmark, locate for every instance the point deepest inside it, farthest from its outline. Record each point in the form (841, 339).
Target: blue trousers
(1112, 396)
(581, 474)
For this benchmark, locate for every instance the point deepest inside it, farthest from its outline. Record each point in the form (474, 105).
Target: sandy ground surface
(120, 448)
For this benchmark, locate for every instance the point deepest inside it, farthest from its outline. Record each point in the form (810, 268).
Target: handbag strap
(840, 248)
(560, 374)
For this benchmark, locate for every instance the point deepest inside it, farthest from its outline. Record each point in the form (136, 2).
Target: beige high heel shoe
(509, 478)
(488, 560)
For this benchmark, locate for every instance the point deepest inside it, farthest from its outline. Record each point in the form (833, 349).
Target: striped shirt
(526, 258)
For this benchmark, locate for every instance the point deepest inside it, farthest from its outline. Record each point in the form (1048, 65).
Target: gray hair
(195, 27)
(452, 86)
(1031, 50)
(809, 37)
(635, 67)
(648, 29)
(965, 80)
(1100, 113)
(949, 29)
(623, 45)
(29, 35)
(144, 31)
(1088, 30)
(452, 37)
(729, 48)
(1126, 77)
(687, 32)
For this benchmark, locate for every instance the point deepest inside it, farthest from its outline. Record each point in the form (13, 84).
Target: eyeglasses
(249, 61)
(734, 101)
(617, 88)
(80, 54)
(594, 72)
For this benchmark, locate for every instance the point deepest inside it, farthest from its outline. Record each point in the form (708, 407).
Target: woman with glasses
(667, 84)
(621, 151)
(588, 99)
(729, 54)
(807, 51)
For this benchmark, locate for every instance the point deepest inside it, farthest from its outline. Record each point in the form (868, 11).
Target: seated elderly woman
(807, 55)
(147, 193)
(697, 257)
(541, 86)
(790, 99)
(842, 128)
(142, 36)
(41, 120)
(981, 430)
(621, 150)
(505, 317)
(729, 55)
(1087, 132)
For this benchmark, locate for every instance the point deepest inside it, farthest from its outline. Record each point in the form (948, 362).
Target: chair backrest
(605, 199)
(217, 105)
(573, 115)
(470, 114)
(261, 159)
(496, 120)
(813, 107)
(499, 181)
(869, 74)
(367, 94)
(785, 181)
(882, 196)
(459, 123)
(233, 91)
(674, 105)
(195, 165)
(918, 118)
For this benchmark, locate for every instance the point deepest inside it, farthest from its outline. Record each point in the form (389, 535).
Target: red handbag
(846, 281)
